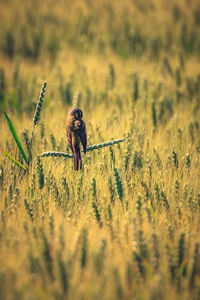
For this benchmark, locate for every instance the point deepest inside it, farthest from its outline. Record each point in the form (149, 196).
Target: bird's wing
(69, 131)
(83, 136)
(69, 139)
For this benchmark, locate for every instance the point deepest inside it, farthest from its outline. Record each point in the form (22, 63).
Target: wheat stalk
(56, 154)
(105, 144)
(38, 108)
(89, 148)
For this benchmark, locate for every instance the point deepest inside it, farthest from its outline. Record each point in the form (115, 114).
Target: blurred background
(90, 49)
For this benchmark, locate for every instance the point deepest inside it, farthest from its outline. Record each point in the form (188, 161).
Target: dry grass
(127, 225)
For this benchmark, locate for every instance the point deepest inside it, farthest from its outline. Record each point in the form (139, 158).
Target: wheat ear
(38, 108)
(89, 148)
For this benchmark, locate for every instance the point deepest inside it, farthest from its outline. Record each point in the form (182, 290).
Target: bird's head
(77, 113)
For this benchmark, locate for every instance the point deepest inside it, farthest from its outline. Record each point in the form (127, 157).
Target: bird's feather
(83, 137)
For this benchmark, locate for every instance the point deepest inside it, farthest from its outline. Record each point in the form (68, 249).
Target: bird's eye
(77, 115)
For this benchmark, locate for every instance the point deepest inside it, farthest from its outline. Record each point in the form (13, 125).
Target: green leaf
(13, 159)
(17, 140)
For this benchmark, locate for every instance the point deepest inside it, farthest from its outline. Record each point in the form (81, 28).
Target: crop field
(126, 226)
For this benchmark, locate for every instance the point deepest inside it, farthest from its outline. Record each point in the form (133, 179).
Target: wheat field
(127, 226)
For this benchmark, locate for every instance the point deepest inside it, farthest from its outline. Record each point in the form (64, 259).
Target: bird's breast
(73, 124)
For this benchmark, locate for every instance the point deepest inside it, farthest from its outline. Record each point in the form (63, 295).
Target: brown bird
(76, 133)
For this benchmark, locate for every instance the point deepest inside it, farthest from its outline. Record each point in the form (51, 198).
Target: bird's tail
(77, 161)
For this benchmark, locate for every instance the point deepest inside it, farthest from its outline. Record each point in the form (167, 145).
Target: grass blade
(13, 159)
(17, 140)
